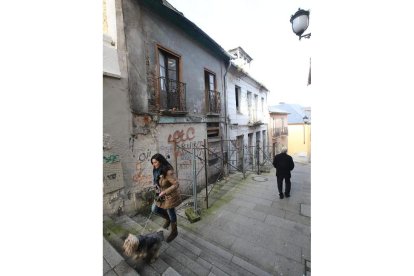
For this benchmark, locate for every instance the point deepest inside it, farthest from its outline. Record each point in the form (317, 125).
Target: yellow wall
(296, 145)
(105, 18)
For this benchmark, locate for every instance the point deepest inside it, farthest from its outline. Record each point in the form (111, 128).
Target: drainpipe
(225, 116)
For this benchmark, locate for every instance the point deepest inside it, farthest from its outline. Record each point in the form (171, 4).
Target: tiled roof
(168, 11)
(296, 112)
(277, 110)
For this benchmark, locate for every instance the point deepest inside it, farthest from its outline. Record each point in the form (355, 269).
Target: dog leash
(146, 223)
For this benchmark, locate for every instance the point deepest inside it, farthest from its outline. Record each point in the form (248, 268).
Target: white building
(247, 112)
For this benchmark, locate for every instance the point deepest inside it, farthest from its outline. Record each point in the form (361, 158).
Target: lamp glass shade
(300, 24)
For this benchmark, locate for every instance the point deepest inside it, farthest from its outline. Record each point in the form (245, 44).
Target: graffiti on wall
(145, 156)
(114, 197)
(185, 150)
(143, 168)
(181, 136)
(112, 174)
(177, 146)
(143, 173)
(183, 143)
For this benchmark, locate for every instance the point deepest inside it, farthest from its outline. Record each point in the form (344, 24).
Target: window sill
(110, 60)
(211, 114)
(213, 139)
(173, 113)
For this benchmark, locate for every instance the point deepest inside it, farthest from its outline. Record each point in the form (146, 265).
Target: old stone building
(163, 92)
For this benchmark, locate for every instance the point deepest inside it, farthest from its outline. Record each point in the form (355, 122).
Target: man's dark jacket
(283, 164)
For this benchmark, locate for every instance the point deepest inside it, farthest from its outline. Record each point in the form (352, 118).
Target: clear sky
(262, 29)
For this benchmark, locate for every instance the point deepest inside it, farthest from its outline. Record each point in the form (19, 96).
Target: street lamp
(305, 122)
(300, 22)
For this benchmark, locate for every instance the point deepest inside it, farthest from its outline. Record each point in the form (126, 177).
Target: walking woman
(168, 195)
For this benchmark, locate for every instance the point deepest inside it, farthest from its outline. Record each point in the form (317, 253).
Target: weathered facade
(299, 130)
(168, 99)
(247, 111)
(117, 118)
(278, 129)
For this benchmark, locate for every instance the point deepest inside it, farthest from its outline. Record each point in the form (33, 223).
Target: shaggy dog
(144, 247)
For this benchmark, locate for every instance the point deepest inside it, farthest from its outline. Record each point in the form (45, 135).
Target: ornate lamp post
(305, 122)
(300, 22)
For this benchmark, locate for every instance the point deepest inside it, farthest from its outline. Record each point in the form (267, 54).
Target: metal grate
(214, 101)
(175, 94)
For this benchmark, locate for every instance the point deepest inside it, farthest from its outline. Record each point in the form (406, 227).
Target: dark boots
(167, 220)
(173, 233)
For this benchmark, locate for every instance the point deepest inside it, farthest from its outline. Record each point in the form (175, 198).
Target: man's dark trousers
(280, 184)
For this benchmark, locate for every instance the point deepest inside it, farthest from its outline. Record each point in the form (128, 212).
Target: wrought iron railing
(279, 131)
(172, 94)
(214, 101)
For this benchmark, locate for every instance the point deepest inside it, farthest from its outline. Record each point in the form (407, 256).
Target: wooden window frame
(161, 49)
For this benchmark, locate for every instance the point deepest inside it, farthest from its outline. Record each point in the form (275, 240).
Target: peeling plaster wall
(167, 140)
(116, 125)
(137, 49)
(144, 30)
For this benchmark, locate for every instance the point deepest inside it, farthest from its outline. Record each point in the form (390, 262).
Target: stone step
(226, 261)
(114, 263)
(170, 256)
(210, 256)
(182, 260)
(188, 254)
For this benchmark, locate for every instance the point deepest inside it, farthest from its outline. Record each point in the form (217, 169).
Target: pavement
(249, 220)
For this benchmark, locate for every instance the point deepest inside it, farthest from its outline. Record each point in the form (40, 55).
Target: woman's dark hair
(164, 164)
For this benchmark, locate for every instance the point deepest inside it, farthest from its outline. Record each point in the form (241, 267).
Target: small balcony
(255, 123)
(172, 95)
(280, 131)
(213, 102)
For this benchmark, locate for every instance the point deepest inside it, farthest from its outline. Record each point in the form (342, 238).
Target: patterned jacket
(169, 185)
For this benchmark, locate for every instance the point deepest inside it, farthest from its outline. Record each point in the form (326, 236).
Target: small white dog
(146, 247)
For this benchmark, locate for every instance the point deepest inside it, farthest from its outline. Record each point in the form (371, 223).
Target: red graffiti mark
(147, 120)
(179, 136)
(140, 177)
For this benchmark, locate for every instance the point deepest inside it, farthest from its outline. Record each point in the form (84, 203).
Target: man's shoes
(287, 195)
(281, 196)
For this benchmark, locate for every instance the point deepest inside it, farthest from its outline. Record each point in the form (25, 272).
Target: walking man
(283, 163)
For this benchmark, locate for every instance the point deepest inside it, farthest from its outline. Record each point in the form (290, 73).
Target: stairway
(187, 254)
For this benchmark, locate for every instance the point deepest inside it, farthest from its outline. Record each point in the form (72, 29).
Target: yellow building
(299, 142)
(299, 131)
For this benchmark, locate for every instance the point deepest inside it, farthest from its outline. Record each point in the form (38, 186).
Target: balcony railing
(279, 131)
(172, 94)
(214, 101)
